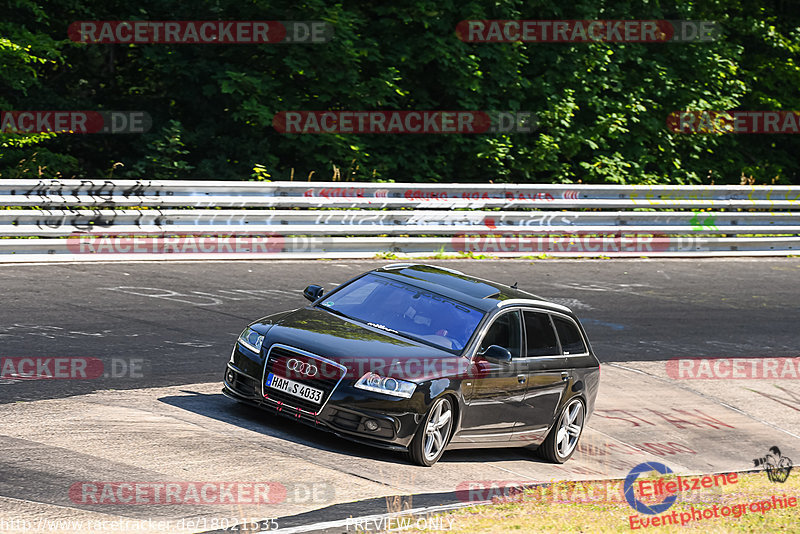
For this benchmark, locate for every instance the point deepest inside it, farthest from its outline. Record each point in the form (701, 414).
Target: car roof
(484, 295)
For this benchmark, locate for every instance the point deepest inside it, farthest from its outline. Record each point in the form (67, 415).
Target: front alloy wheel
(431, 439)
(563, 438)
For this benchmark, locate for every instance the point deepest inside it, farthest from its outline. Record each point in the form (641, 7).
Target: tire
(562, 441)
(433, 434)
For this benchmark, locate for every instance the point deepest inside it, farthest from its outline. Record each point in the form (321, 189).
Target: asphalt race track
(159, 335)
(182, 319)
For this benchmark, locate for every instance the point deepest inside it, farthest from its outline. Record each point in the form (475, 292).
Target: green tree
(601, 107)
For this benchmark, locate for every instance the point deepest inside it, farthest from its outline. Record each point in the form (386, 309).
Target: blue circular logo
(635, 503)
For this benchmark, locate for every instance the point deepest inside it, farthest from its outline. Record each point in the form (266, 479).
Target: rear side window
(539, 335)
(571, 340)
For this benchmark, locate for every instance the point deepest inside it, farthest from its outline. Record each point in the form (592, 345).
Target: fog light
(231, 377)
(371, 425)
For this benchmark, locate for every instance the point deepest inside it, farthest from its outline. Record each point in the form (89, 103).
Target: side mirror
(312, 293)
(497, 354)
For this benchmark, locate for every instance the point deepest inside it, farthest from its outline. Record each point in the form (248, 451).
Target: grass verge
(528, 512)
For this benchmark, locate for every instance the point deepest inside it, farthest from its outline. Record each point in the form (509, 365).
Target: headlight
(390, 386)
(251, 339)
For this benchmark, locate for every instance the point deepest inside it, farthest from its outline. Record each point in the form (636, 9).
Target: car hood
(362, 348)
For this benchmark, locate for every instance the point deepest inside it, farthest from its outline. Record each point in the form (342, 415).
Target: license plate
(294, 388)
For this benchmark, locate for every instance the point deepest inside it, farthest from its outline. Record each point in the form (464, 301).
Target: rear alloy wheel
(433, 434)
(563, 438)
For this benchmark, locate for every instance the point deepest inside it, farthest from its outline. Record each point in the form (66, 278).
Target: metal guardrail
(92, 220)
(54, 223)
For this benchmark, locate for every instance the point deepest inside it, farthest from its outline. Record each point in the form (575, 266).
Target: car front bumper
(391, 424)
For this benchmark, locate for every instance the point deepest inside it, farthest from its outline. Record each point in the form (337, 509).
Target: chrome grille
(327, 377)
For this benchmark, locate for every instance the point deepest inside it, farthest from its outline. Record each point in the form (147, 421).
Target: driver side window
(505, 332)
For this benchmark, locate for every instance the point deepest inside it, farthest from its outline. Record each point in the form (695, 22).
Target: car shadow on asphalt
(219, 407)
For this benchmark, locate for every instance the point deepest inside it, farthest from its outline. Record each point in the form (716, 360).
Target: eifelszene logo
(777, 466)
(630, 495)
(668, 486)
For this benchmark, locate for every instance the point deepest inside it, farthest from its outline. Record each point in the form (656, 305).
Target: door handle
(522, 378)
(565, 377)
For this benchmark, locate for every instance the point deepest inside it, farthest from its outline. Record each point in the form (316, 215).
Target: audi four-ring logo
(301, 367)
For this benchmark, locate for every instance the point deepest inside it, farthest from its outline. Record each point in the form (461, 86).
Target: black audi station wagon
(419, 359)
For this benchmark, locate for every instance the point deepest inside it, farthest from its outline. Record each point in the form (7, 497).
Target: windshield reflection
(406, 310)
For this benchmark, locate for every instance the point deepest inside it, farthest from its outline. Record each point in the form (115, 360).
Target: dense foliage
(602, 107)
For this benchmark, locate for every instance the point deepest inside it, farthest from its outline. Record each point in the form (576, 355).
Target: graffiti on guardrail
(334, 192)
(664, 195)
(427, 194)
(139, 188)
(79, 220)
(99, 217)
(707, 222)
(389, 218)
(640, 193)
(440, 218)
(44, 189)
(94, 189)
(88, 220)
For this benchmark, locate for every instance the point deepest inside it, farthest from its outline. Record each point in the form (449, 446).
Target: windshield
(406, 310)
